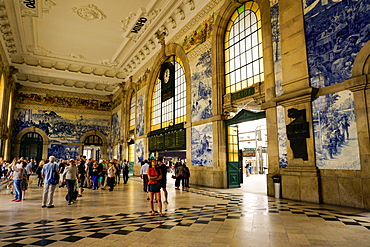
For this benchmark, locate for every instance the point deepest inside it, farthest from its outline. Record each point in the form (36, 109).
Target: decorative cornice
(99, 86)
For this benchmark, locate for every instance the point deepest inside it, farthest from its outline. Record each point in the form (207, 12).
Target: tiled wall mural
(335, 131)
(282, 137)
(201, 87)
(53, 100)
(61, 127)
(140, 116)
(199, 35)
(64, 151)
(116, 126)
(139, 144)
(275, 23)
(202, 145)
(335, 33)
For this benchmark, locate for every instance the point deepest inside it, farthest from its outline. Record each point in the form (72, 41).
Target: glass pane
(254, 39)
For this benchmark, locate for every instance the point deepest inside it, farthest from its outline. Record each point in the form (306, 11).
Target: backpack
(54, 176)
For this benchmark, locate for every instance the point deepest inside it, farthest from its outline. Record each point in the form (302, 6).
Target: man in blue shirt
(47, 172)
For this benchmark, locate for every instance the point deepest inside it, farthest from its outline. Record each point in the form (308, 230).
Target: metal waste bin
(277, 185)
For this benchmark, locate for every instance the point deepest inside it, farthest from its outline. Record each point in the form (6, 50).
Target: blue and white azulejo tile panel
(139, 151)
(201, 87)
(335, 131)
(282, 137)
(140, 116)
(116, 125)
(335, 33)
(275, 24)
(202, 145)
(61, 127)
(65, 152)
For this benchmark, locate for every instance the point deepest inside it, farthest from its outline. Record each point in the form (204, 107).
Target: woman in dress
(154, 187)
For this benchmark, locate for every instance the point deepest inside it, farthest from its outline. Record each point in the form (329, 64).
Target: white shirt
(144, 169)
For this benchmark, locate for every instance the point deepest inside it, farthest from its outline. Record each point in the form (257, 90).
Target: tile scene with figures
(200, 217)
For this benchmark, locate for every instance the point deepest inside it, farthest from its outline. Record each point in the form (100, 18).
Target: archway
(93, 145)
(31, 146)
(33, 129)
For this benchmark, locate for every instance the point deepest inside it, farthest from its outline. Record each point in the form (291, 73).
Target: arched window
(93, 140)
(133, 112)
(31, 146)
(10, 109)
(243, 48)
(2, 85)
(171, 111)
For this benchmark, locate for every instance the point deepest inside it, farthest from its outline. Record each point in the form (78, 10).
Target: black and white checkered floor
(201, 217)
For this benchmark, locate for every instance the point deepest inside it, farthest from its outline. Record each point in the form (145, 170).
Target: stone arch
(97, 133)
(361, 65)
(167, 51)
(18, 138)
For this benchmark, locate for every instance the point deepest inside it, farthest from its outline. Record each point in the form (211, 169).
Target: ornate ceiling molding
(100, 86)
(89, 12)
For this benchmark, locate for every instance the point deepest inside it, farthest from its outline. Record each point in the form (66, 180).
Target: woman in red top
(154, 187)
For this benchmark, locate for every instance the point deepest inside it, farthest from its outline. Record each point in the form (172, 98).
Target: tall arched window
(10, 109)
(133, 112)
(243, 48)
(173, 110)
(2, 85)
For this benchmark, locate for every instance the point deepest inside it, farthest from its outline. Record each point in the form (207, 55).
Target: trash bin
(277, 183)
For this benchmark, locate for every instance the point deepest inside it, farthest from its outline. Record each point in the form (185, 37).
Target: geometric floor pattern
(201, 217)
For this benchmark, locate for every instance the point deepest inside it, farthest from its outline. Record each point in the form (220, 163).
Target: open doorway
(254, 158)
(92, 147)
(92, 152)
(247, 163)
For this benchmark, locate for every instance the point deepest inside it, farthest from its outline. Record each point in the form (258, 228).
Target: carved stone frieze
(89, 12)
(172, 22)
(191, 3)
(180, 12)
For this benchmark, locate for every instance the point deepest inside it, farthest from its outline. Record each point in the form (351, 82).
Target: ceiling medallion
(89, 13)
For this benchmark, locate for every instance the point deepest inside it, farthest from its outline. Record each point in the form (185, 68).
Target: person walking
(125, 171)
(163, 181)
(18, 173)
(38, 172)
(186, 178)
(81, 175)
(70, 177)
(95, 175)
(144, 174)
(179, 173)
(154, 187)
(111, 173)
(49, 188)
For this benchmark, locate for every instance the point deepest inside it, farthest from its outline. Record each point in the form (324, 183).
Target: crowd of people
(77, 175)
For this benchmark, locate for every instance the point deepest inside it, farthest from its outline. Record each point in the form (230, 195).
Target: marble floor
(201, 217)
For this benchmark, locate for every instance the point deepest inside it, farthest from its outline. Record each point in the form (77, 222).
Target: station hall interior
(266, 101)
